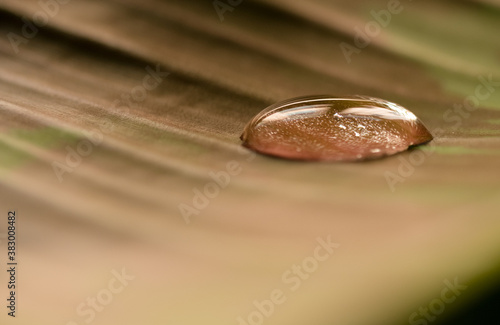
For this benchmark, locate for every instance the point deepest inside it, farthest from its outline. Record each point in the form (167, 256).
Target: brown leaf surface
(81, 79)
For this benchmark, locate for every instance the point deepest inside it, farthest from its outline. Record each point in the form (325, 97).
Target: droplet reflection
(334, 129)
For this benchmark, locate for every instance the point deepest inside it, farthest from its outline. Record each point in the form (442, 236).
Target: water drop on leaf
(327, 128)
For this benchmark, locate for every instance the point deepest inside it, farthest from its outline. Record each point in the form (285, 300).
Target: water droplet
(334, 129)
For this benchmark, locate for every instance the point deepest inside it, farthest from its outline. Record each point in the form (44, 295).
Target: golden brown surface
(146, 147)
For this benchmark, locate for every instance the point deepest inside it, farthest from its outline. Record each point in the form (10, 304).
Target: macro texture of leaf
(405, 224)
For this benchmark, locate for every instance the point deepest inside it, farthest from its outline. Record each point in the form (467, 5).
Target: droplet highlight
(327, 128)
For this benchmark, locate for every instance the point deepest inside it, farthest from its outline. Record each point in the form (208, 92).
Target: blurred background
(135, 202)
